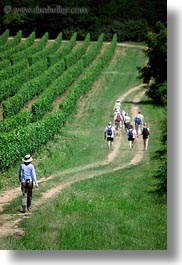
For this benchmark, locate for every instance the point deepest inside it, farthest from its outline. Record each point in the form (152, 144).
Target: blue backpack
(109, 131)
(130, 134)
(138, 120)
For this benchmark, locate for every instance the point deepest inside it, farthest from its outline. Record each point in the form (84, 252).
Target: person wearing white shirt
(131, 136)
(127, 121)
(109, 134)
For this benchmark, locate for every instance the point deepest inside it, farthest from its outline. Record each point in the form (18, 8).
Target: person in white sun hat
(28, 179)
(117, 105)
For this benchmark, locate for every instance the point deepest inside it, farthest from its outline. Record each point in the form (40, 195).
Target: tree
(155, 75)
(155, 72)
(128, 19)
(161, 155)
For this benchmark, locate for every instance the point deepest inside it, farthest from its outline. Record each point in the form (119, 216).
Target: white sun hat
(27, 159)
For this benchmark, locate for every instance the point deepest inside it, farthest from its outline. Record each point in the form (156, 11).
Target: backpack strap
(22, 169)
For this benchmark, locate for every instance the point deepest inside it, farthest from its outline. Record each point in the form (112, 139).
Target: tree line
(154, 73)
(130, 20)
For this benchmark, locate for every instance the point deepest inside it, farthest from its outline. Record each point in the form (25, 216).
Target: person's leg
(117, 129)
(146, 144)
(29, 197)
(136, 128)
(126, 127)
(130, 144)
(112, 142)
(140, 129)
(109, 143)
(24, 197)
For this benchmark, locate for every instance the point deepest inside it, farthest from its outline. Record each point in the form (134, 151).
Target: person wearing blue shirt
(28, 179)
(139, 123)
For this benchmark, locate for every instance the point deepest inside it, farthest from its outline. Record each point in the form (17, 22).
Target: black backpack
(145, 132)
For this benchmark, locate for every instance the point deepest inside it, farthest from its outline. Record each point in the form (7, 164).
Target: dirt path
(9, 222)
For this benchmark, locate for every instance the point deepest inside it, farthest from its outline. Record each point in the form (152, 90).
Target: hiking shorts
(117, 123)
(131, 139)
(127, 124)
(110, 139)
(145, 137)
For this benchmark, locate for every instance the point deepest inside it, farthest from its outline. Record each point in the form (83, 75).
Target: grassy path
(9, 222)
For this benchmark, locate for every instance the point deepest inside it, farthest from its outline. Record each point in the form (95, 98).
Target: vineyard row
(35, 86)
(16, 143)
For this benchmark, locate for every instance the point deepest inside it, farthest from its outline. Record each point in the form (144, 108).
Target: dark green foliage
(30, 50)
(33, 87)
(23, 118)
(42, 54)
(4, 37)
(155, 75)
(71, 58)
(61, 53)
(8, 53)
(130, 20)
(13, 42)
(161, 156)
(155, 72)
(158, 93)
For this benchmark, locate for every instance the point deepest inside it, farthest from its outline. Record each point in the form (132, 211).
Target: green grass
(83, 136)
(116, 210)
(81, 141)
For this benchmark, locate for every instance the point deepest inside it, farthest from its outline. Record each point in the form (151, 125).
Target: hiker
(131, 136)
(109, 134)
(127, 121)
(123, 113)
(117, 105)
(27, 177)
(145, 133)
(139, 123)
(117, 121)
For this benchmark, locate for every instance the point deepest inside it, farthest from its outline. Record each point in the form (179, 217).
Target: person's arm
(142, 119)
(104, 134)
(34, 176)
(20, 173)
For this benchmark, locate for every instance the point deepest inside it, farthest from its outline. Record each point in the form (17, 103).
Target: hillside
(80, 179)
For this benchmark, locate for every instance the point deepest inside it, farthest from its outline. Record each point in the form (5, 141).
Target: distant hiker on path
(139, 123)
(123, 113)
(127, 121)
(117, 105)
(118, 121)
(27, 177)
(109, 134)
(145, 133)
(131, 136)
